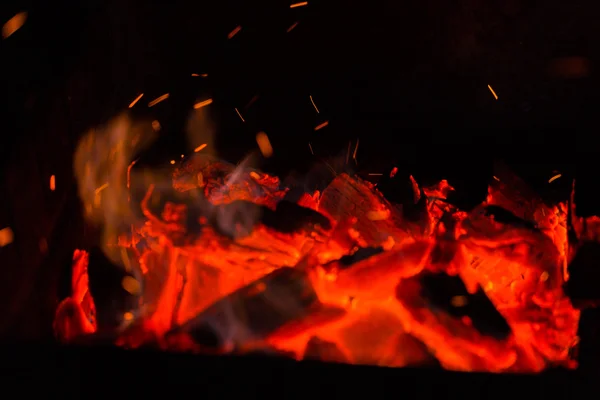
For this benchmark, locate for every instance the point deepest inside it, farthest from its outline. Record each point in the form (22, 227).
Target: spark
(129, 178)
(234, 32)
(555, 177)
(136, 100)
(292, 27)
(172, 162)
(375, 174)
(131, 285)
(240, 115)
(128, 316)
(314, 105)
(459, 301)
(6, 236)
(53, 183)
(156, 125)
(101, 188)
(301, 4)
(496, 178)
(311, 149)
(14, 24)
(158, 100)
(202, 104)
(355, 150)
(204, 75)
(195, 75)
(182, 156)
(494, 93)
(252, 100)
(264, 144)
(202, 146)
(321, 126)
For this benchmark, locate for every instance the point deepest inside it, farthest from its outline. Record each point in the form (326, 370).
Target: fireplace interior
(216, 193)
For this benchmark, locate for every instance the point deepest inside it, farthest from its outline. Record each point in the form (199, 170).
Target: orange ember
(343, 275)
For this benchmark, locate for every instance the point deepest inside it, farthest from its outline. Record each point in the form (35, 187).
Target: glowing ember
(13, 24)
(202, 104)
(222, 261)
(158, 100)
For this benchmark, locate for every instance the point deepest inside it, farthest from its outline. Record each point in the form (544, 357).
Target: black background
(409, 79)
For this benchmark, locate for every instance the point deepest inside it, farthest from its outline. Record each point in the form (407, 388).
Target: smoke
(102, 169)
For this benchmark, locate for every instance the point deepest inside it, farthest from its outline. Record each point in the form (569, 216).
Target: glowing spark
(131, 285)
(555, 177)
(136, 100)
(6, 237)
(101, 188)
(172, 162)
(240, 115)
(321, 126)
(314, 105)
(496, 178)
(182, 156)
(292, 27)
(197, 149)
(158, 100)
(264, 144)
(234, 32)
(311, 150)
(301, 4)
(128, 316)
(53, 183)
(204, 75)
(459, 301)
(202, 104)
(494, 93)
(374, 174)
(195, 75)
(252, 100)
(129, 177)
(156, 125)
(14, 24)
(355, 150)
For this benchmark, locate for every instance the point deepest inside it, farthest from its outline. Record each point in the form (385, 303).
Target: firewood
(256, 311)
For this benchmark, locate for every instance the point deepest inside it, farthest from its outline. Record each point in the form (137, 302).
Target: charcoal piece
(504, 216)
(361, 254)
(289, 217)
(450, 294)
(322, 350)
(583, 286)
(255, 311)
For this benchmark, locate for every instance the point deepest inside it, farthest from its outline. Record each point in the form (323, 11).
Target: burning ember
(221, 260)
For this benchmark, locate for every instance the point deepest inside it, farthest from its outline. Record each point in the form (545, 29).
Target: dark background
(408, 78)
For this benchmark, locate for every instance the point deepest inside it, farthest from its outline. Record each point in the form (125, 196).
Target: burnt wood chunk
(583, 286)
(255, 311)
(449, 294)
(462, 336)
(348, 198)
(361, 254)
(322, 350)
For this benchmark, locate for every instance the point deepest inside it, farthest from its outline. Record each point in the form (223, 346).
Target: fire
(222, 261)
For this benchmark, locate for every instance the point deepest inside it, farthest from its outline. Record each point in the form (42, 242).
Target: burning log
(437, 309)
(259, 310)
